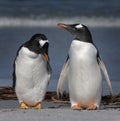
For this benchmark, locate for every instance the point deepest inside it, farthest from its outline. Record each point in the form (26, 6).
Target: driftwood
(7, 93)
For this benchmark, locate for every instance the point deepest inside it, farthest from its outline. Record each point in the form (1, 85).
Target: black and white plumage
(82, 70)
(32, 71)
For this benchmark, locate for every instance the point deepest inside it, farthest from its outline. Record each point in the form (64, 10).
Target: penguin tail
(104, 70)
(62, 80)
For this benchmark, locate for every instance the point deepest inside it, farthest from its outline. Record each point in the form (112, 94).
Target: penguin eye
(76, 29)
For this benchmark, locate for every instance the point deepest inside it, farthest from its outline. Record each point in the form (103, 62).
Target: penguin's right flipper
(14, 81)
(63, 79)
(14, 77)
(49, 69)
(104, 70)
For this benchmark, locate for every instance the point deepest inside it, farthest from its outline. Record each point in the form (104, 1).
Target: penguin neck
(33, 47)
(84, 38)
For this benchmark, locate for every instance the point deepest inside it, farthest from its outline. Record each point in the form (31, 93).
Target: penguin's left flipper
(104, 70)
(63, 79)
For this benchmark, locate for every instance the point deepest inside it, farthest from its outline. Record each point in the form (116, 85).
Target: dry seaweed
(7, 93)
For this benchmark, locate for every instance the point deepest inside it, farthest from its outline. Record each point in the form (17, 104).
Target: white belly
(31, 79)
(84, 75)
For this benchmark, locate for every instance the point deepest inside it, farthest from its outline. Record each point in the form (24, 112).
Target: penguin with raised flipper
(32, 72)
(82, 70)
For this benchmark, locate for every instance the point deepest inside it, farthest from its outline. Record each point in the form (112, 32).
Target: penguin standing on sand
(32, 72)
(82, 70)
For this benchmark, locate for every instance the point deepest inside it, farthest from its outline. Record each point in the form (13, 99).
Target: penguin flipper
(49, 69)
(104, 70)
(63, 79)
(14, 80)
(14, 77)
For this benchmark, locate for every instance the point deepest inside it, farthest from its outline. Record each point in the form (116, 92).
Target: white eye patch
(42, 42)
(79, 26)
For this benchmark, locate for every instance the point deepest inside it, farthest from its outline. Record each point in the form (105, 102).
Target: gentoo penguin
(82, 70)
(32, 72)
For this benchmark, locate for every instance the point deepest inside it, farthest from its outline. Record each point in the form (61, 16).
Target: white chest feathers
(84, 73)
(31, 76)
(82, 50)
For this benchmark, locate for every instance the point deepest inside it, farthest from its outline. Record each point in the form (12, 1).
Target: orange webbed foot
(91, 106)
(23, 106)
(77, 106)
(38, 106)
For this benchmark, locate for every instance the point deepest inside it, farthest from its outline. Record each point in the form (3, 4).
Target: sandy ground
(9, 111)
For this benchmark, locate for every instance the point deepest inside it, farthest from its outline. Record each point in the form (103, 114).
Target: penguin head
(79, 31)
(38, 43)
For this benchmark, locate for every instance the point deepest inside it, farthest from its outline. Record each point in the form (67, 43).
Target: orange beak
(62, 26)
(46, 56)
